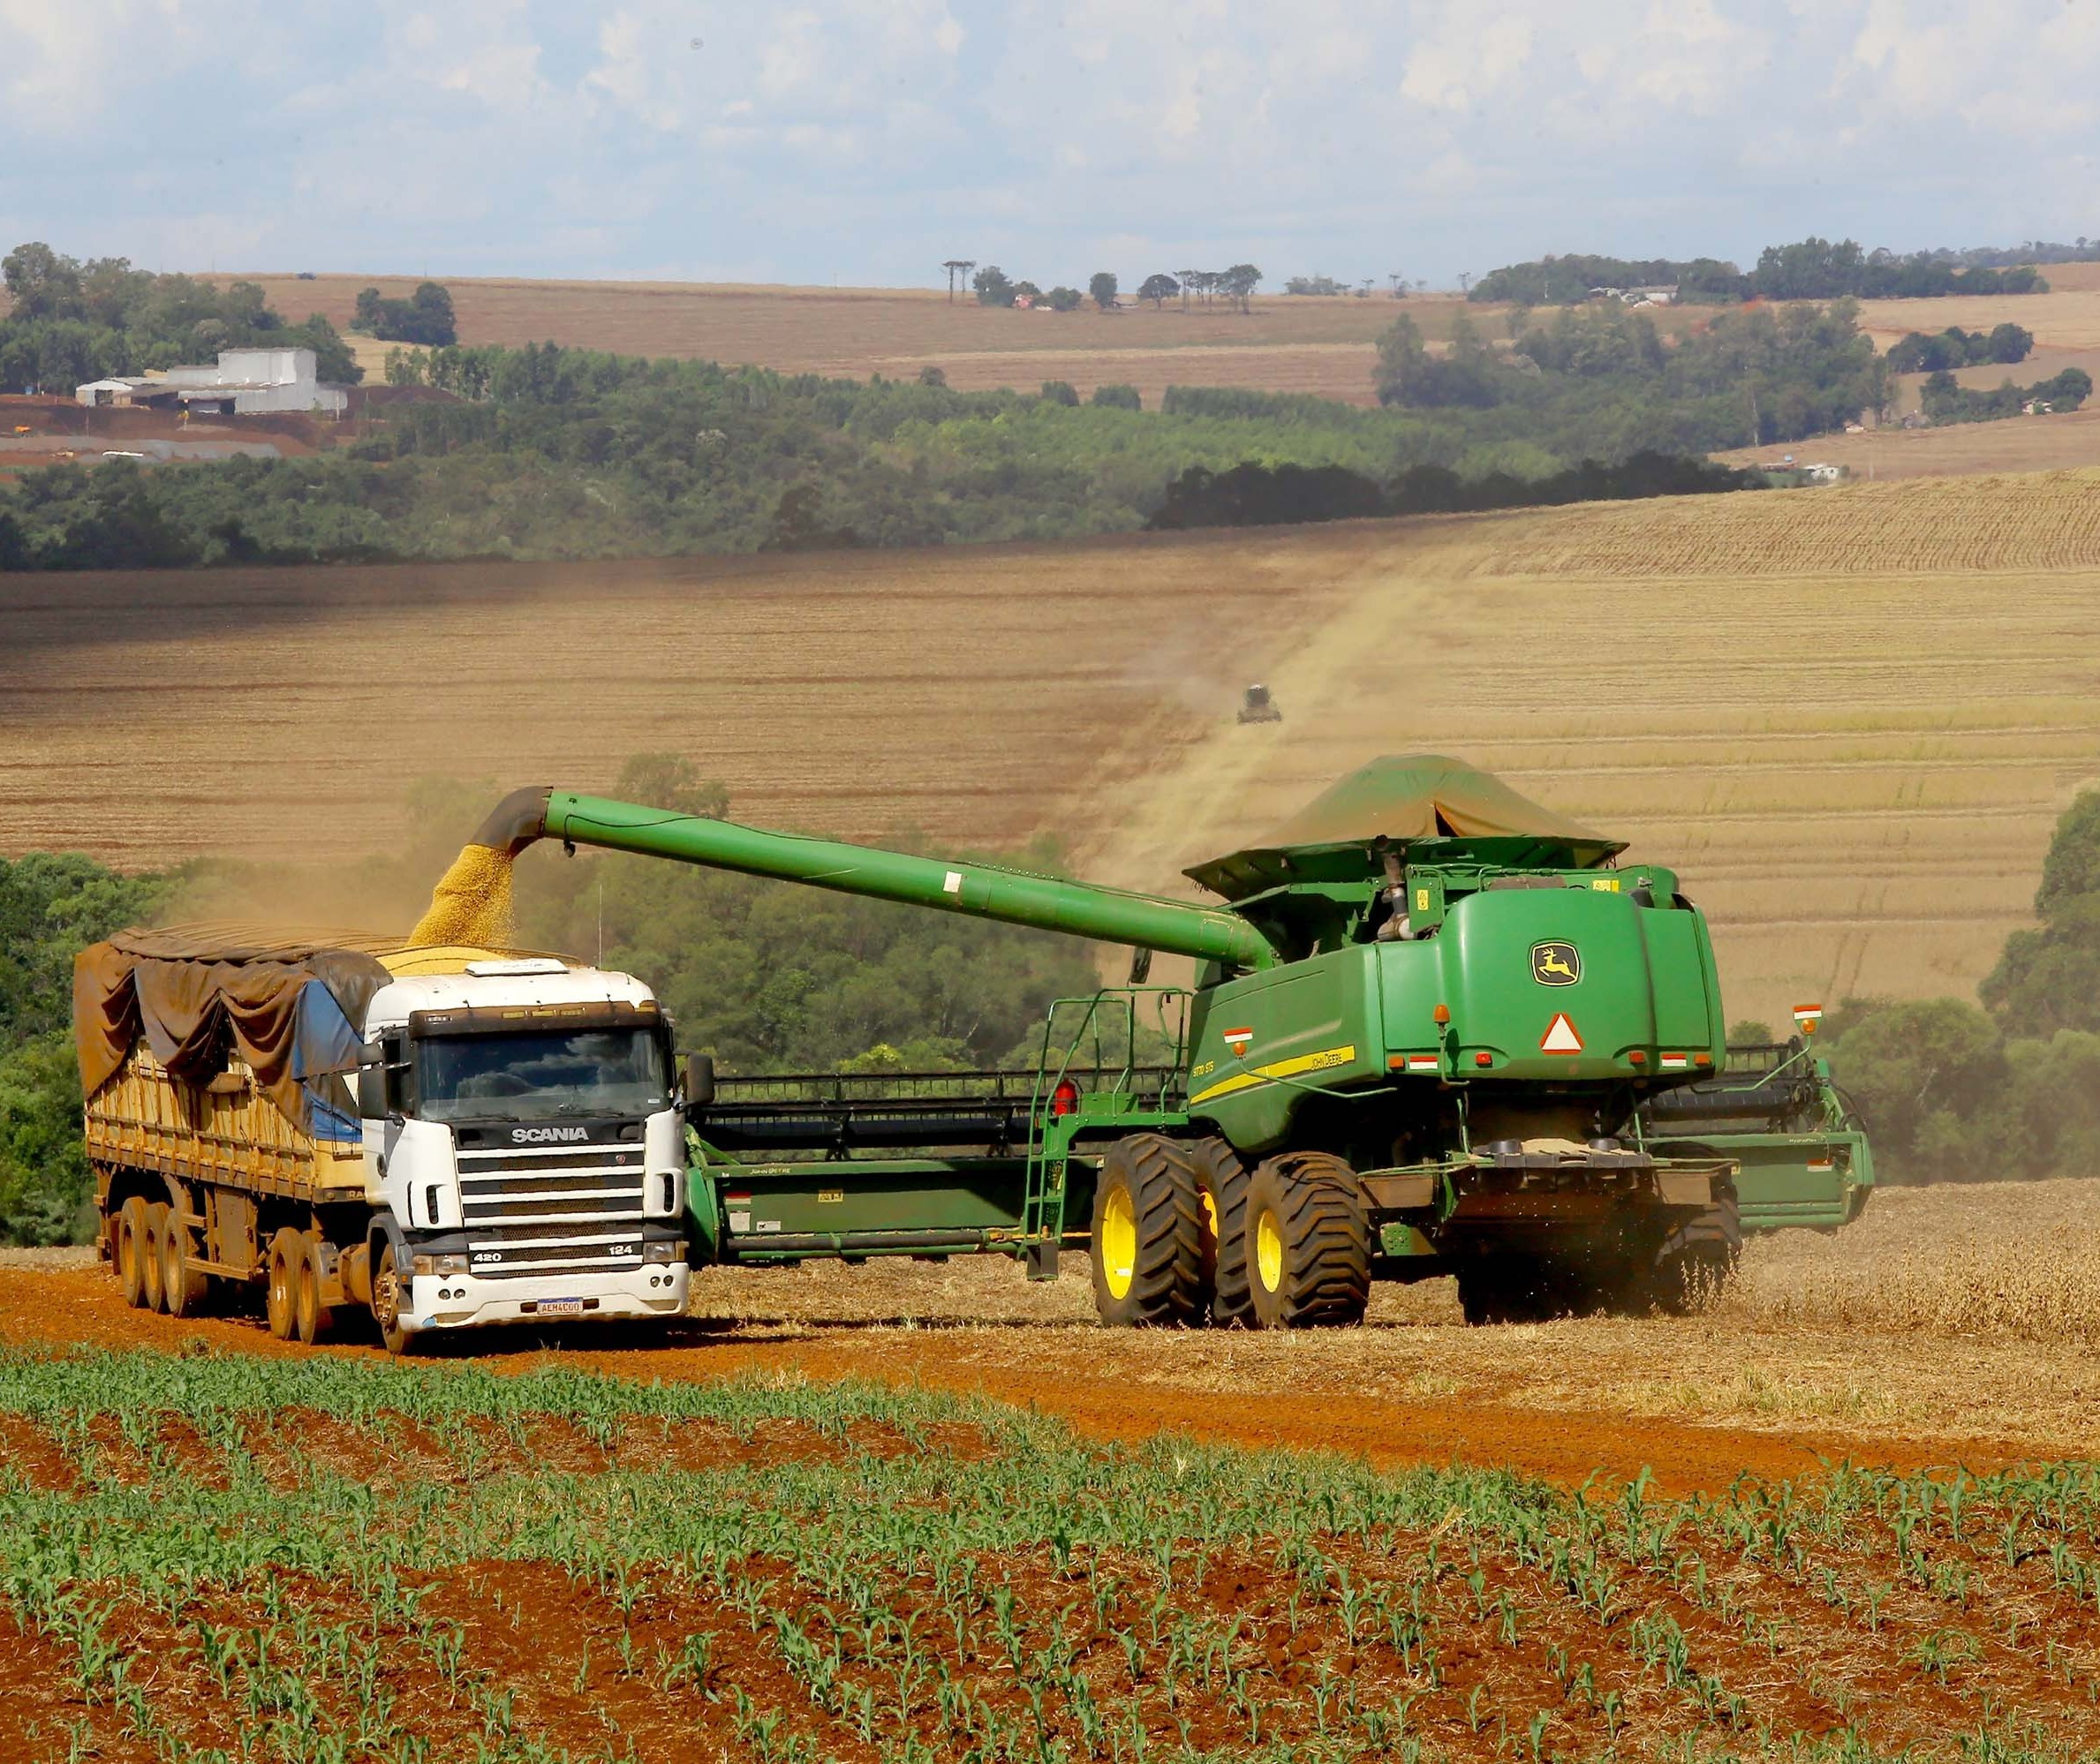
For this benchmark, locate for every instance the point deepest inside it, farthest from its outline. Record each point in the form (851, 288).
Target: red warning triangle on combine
(1560, 1036)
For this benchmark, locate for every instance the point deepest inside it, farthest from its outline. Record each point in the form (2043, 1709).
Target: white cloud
(816, 136)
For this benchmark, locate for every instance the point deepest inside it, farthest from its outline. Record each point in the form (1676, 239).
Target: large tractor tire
(1308, 1243)
(1147, 1234)
(1698, 1259)
(1222, 1179)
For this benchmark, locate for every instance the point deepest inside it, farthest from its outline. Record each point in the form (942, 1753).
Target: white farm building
(244, 381)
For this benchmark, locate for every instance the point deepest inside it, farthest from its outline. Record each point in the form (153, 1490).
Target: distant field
(1850, 716)
(1288, 343)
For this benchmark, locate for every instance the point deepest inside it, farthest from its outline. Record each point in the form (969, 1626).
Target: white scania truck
(446, 1137)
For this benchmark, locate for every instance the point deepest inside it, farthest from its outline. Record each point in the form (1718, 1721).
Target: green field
(218, 1558)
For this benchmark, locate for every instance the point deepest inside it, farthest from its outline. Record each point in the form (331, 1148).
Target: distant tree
(1238, 283)
(2008, 342)
(1117, 397)
(406, 367)
(39, 283)
(1313, 284)
(425, 317)
(992, 287)
(1100, 288)
(1157, 289)
(931, 375)
(957, 267)
(1065, 300)
(1060, 392)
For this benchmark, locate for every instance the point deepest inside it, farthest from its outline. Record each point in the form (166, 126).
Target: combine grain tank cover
(1403, 800)
(288, 1005)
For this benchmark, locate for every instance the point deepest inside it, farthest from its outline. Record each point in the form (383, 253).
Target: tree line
(2007, 1085)
(70, 321)
(545, 452)
(1747, 377)
(1810, 269)
(993, 287)
(1919, 353)
(1944, 400)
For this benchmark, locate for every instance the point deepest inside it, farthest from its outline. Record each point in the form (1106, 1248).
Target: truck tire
(182, 1284)
(309, 1315)
(387, 1298)
(280, 1300)
(1222, 1179)
(128, 1250)
(1698, 1259)
(1147, 1248)
(1308, 1243)
(150, 1261)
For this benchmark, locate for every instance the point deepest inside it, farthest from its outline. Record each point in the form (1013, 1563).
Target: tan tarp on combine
(194, 991)
(1419, 795)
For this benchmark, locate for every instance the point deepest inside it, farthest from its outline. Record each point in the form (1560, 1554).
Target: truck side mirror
(372, 1083)
(700, 1080)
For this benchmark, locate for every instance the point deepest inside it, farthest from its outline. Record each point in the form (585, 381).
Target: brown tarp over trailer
(192, 991)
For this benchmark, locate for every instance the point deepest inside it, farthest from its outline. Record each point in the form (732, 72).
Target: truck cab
(523, 1148)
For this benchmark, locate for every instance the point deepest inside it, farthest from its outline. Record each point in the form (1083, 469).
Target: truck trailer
(1435, 1030)
(444, 1136)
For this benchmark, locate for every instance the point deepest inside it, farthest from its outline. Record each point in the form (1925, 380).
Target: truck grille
(552, 1209)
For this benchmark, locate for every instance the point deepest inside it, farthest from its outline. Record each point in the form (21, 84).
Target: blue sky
(862, 141)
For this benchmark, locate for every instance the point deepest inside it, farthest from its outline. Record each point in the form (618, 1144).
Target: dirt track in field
(1309, 1392)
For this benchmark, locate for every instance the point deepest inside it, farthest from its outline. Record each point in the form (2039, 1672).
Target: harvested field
(1286, 344)
(1850, 717)
(655, 1551)
(2069, 440)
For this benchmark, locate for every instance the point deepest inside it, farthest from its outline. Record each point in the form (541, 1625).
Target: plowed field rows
(215, 1545)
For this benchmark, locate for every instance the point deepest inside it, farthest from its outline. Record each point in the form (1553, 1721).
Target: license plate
(561, 1307)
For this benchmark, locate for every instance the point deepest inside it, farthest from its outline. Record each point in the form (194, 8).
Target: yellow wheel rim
(1210, 1215)
(1119, 1242)
(1268, 1251)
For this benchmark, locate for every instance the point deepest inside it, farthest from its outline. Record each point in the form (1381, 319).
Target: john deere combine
(1435, 1029)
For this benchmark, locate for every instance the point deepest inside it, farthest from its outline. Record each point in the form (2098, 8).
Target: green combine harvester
(1436, 1029)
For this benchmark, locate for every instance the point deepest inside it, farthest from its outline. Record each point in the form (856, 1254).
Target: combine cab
(1259, 707)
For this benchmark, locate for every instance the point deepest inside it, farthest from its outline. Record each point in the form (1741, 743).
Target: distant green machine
(1436, 1029)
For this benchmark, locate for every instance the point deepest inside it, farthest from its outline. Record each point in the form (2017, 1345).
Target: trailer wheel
(280, 1301)
(128, 1229)
(1147, 1234)
(182, 1284)
(1308, 1243)
(1698, 1259)
(151, 1258)
(387, 1298)
(309, 1315)
(1222, 1179)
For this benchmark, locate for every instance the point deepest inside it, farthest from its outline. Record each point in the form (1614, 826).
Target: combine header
(1436, 1029)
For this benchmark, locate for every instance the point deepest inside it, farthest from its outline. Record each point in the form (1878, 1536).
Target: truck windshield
(541, 1074)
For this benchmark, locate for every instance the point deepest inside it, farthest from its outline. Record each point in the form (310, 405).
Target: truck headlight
(663, 1252)
(440, 1265)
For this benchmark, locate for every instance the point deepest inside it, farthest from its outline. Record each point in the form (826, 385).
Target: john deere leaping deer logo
(1555, 964)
